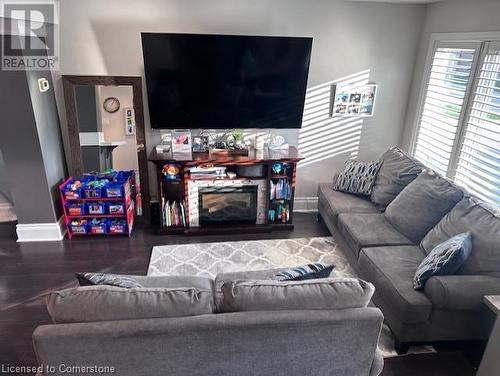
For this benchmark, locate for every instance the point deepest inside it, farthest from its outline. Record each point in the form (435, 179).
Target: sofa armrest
(460, 292)
(377, 364)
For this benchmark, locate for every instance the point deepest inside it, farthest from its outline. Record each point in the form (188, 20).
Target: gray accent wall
(4, 180)
(49, 134)
(22, 152)
(31, 146)
(349, 38)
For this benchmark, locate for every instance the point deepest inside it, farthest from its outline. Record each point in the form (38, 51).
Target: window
(458, 132)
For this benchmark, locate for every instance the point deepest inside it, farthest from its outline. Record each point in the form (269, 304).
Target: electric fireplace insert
(228, 205)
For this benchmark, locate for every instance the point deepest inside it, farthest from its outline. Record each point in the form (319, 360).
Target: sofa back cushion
(483, 221)
(107, 303)
(422, 204)
(396, 172)
(319, 294)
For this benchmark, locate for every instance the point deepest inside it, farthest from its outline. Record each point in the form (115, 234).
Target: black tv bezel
(299, 125)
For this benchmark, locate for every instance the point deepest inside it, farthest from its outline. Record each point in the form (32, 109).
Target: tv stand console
(205, 201)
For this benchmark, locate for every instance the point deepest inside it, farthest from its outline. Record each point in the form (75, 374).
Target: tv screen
(225, 81)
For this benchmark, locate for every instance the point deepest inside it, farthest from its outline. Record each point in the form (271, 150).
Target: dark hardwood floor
(29, 270)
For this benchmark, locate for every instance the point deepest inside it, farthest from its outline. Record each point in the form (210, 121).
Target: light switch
(43, 85)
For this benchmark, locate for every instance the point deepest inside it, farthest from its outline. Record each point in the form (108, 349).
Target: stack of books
(281, 190)
(174, 214)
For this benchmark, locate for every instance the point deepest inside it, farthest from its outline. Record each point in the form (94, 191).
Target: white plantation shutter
(478, 167)
(444, 105)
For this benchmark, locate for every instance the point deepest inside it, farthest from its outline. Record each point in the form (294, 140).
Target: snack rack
(107, 210)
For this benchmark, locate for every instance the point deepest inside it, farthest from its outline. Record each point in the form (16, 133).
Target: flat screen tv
(225, 81)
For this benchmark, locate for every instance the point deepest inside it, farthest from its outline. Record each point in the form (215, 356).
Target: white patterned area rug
(209, 259)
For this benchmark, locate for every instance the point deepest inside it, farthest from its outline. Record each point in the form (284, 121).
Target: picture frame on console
(200, 144)
(181, 141)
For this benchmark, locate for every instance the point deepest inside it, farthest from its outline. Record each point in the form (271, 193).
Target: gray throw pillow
(483, 221)
(91, 279)
(107, 303)
(445, 259)
(357, 177)
(397, 171)
(422, 204)
(316, 270)
(312, 294)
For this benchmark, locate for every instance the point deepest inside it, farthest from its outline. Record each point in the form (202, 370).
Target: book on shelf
(281, 190)
(173, 213)
(279, 213)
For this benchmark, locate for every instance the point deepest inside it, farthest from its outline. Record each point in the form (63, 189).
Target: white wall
(446, 17)
(113, 126)
(374, 40)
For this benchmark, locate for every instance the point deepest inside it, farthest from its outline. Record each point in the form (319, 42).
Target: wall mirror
(106, 126)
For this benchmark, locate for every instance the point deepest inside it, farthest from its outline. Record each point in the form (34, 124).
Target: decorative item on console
(281, 169)
(228, 143)
(171, 171)
(276, 142)
(277, 167)
(166, 143)
(181, 141)
(200, 144)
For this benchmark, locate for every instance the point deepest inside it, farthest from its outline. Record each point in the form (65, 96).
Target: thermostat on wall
(129, 121)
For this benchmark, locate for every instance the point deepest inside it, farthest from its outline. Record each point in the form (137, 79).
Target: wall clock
(111, 104)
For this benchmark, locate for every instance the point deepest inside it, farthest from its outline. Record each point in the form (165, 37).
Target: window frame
(481, 42)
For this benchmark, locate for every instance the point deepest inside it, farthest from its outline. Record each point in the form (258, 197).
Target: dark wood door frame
(75, 166)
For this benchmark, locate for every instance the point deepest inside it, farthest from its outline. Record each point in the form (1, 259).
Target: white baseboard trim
(41, 232)
(305, 204)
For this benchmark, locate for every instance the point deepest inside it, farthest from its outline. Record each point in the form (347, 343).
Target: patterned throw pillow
(91, 279)
(445, 259)
(301, 273)
(357, 177)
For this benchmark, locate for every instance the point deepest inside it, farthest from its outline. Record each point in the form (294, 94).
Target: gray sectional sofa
(107, 326)
(388, 234)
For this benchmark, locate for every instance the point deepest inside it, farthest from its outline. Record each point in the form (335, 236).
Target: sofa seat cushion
(369, 230)
(397, 171)
(422, 204)
(391, 270)
(334, 202)
(483, 221)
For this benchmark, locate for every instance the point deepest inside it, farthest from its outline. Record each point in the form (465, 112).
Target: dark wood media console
(184, 188)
